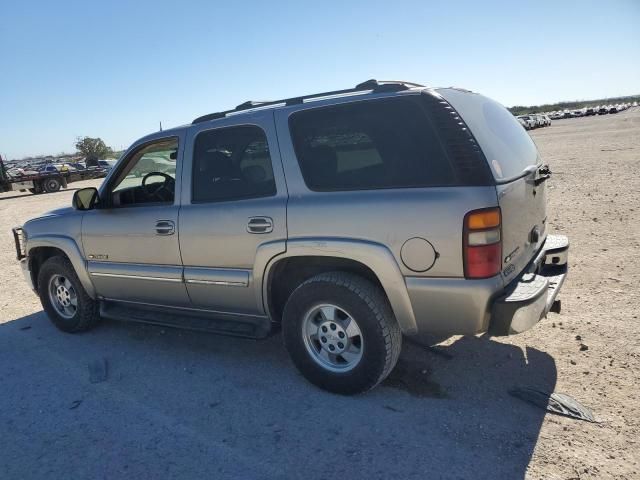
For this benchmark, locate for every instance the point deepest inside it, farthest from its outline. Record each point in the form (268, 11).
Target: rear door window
(372, 144)
(507, 146)
(232, 163)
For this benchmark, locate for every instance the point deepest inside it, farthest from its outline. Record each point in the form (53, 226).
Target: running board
(189, 319)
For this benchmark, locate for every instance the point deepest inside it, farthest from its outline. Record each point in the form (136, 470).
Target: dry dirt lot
(188, 405)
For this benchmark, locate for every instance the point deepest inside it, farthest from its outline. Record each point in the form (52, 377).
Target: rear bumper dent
(530, 297)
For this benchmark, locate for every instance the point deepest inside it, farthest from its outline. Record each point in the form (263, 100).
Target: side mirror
(85, 198)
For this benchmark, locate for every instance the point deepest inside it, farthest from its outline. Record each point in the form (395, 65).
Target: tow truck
(44, 181)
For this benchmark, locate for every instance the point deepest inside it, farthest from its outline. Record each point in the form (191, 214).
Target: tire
(380, 339)
(86, 314)
(33, 190)
(51, 185)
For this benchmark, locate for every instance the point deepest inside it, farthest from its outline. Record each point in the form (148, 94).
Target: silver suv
(347, 219)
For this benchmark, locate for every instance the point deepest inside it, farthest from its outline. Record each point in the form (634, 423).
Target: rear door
(233, 214)
(515, 163)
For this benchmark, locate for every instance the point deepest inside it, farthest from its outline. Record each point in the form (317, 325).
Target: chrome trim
(217, 282)
(216, 276)
(136, 277)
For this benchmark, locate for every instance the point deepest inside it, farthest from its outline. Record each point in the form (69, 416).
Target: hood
(55, 213)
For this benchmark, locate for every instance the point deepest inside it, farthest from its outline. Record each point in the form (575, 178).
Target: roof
(372, 86)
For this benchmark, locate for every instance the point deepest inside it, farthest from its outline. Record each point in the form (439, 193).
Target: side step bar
(185, 318)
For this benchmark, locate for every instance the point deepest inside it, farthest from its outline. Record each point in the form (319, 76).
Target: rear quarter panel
(386, 216)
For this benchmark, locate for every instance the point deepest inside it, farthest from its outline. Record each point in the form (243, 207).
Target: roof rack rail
(252, 104)
(375, 86)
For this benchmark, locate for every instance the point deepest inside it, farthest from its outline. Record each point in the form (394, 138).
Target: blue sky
(114, 69)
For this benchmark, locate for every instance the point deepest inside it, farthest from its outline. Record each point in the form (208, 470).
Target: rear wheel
(52, 185)
(64, 299)
(341, 332)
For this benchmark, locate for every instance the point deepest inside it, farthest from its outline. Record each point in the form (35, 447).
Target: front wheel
(341, 333)
(64, 299)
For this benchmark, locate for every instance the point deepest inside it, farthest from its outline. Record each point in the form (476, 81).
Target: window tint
(507, 146)
(232, 163)
(368, 145)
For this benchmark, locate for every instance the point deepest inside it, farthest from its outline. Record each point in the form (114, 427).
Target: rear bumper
(531, 296)
(456, 306)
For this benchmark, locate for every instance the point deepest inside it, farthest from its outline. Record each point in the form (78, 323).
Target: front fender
(71, 250)
(374, 255)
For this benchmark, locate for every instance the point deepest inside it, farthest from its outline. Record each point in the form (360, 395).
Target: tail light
(482, 243)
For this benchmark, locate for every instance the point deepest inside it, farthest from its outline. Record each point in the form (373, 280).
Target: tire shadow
(191, 402)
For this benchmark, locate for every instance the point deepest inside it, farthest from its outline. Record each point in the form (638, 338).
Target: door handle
(165, 227)
(260, 225)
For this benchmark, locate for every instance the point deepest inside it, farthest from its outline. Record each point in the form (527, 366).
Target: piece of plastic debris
(26, 327)
(557, 403)
(75, 404)
(98, 370)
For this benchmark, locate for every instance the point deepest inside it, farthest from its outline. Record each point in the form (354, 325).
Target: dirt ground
(187, 405)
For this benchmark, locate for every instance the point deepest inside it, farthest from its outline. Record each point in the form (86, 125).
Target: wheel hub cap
(332, 338)
(63, 296)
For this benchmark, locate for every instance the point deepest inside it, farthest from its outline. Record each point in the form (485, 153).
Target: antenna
(160, 125)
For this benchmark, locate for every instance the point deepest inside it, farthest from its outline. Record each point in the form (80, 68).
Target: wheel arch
(305, 258)
(40, 249)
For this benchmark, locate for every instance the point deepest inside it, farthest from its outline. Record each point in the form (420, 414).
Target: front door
(131, 239)
(233, 214)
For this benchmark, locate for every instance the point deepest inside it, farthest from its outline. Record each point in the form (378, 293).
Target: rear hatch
(517, 170)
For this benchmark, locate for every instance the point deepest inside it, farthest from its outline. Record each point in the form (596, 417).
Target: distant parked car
(589, 112)
(105, 164)
(154, 164)
(613, 109)
(529, 120)
(547, 120)
(603, 111)
(49, 168)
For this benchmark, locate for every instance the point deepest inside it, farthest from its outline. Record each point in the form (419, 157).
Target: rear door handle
(260, 225)
(165, 227)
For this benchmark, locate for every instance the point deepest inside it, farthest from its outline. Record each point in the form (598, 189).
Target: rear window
(369, 145)
(506, 145)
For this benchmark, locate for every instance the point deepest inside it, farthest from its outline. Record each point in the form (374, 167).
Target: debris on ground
(75, 404)
(98, 370)
(26, 327)
(557, 403)
(583, 347)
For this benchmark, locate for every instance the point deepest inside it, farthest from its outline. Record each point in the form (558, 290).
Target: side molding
(375, 256)
(71, 250)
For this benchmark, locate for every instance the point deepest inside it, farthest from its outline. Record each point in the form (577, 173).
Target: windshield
(506, 145)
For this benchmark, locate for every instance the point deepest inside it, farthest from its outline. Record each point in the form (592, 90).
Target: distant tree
(93, 149)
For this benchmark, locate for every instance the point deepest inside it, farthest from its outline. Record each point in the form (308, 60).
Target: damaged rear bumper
(530, 297)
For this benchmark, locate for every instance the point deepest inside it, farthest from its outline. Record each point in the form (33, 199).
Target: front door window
(148, 176)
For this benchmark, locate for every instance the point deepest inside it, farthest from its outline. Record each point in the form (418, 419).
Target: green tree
(93, 149)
